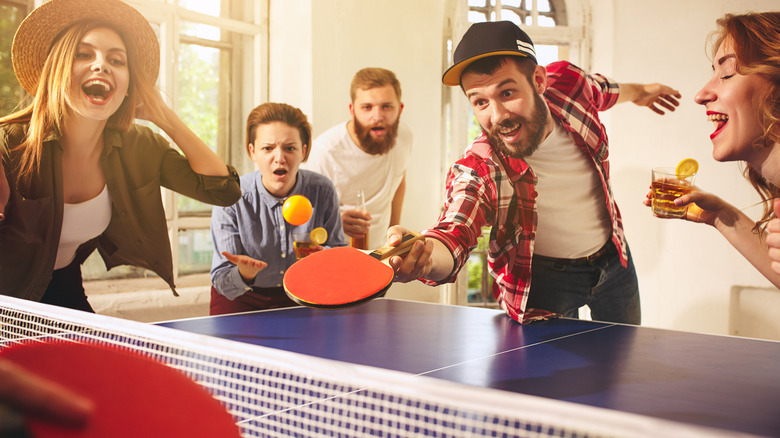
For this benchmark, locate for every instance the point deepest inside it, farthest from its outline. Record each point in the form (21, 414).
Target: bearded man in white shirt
(368, 154)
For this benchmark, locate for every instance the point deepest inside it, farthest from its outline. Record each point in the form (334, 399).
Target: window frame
(247, 71)
(243, 73)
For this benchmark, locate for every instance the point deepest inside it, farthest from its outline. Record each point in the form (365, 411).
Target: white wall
(290, 54)
(686, 271)
(316, 48)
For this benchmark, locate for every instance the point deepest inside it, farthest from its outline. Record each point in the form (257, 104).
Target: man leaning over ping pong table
(542, 153)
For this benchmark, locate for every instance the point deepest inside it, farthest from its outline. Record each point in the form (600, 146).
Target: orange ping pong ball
(297, 210)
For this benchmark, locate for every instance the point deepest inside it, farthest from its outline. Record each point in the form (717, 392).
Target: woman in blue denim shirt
(253, 244)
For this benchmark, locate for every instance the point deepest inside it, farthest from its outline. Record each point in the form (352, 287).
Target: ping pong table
(720, 382)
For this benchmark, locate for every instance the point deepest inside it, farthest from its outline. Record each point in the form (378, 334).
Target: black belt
(582, 260)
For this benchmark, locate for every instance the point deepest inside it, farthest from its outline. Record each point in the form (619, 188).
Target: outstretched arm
(654, 96)
(735, 226)
(428, 259)
(248, 267)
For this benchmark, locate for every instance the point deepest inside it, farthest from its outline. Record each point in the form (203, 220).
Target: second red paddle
(134, 395)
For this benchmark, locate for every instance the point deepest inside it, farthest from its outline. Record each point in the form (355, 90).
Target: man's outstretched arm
(654, 96)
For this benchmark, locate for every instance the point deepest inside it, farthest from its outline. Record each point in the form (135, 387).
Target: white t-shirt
(568, 182)
(336, 156)
(80, 223)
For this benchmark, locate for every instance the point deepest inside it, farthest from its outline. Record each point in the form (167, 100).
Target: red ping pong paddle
(134, 395)
(344, 276)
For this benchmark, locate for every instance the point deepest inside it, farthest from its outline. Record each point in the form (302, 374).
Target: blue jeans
(610, 290)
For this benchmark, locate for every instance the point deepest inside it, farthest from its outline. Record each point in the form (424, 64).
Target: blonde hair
(755, 38)
(49, 108)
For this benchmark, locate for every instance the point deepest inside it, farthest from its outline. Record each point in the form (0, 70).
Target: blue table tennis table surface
(716, 381)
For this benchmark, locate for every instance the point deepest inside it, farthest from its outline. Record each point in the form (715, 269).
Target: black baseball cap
(488, 39)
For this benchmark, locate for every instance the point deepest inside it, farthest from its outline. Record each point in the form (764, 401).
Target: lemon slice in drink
(686, 168)
(319, 235)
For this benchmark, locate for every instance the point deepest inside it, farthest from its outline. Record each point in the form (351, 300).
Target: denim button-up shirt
(254, 226)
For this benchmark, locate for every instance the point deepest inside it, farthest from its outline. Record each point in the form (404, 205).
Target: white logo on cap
(525, 47)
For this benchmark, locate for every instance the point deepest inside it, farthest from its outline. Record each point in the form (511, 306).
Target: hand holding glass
(666, 187)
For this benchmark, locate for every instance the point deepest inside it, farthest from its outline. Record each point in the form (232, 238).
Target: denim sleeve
(225, 237)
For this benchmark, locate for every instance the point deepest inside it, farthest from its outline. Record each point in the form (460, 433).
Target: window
(211, 74)
(536, 17)
(12, 12)
(212, 48)
(547, 23)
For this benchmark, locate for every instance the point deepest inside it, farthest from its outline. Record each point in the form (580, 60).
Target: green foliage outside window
(474, 129)
(480, 283)
(198, 100)
(11, 93)
(474, 267)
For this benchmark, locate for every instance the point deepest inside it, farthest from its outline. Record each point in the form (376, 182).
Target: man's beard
(534, 130)
(376, 146)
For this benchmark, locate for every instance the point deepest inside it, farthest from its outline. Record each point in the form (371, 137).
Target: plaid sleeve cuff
(459, 257)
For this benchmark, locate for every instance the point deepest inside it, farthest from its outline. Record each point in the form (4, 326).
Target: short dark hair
(279, 112)
(491, 64)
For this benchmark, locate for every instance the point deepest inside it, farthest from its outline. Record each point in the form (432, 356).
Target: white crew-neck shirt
(568, 182)
(80, 223)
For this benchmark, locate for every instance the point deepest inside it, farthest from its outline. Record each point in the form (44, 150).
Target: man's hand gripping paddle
(344, 276)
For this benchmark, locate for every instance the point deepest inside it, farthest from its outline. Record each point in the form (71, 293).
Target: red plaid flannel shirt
(486, 188)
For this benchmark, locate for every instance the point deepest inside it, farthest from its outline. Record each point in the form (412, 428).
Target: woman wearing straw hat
(77, 174)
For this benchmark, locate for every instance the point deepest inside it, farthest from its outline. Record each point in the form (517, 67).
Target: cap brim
(451, 77)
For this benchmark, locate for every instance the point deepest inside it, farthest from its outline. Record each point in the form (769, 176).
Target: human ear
(540, 79)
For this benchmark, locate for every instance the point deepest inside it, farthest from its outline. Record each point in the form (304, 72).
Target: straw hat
(36, 35)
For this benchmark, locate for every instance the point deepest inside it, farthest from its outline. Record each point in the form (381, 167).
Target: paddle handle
(407, 240)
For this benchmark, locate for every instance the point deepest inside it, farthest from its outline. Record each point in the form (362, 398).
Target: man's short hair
(489, 65)
(373, 77)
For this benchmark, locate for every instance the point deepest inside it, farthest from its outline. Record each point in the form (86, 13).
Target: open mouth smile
(720, 121)
(97, 91)
(508, 134)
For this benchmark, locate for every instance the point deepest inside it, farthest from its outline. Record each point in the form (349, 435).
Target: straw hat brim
(35, 36)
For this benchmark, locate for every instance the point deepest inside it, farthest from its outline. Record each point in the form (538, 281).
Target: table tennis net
(274, 393)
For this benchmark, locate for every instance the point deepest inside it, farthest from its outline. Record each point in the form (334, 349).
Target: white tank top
(573, 219)
(80, 223)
